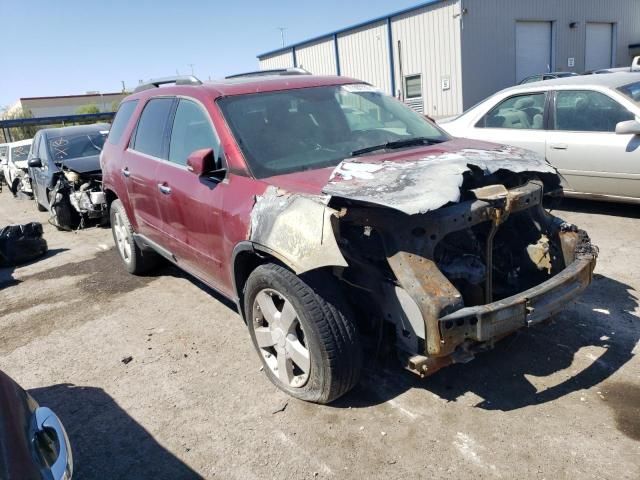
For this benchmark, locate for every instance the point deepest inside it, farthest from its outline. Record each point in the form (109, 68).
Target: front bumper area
(487, 322)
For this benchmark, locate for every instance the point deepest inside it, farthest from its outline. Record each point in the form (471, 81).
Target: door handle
(164, 188)
(559, 146)
(125, 171)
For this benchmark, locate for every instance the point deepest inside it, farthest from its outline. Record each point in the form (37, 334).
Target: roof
(351, 27)
(75, 96)
(611, 80)
(247, 85)
(75, 129)
(19, 143)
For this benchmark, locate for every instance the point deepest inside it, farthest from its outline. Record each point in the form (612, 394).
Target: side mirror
(201, 161)
(35, 162)
(630, 127)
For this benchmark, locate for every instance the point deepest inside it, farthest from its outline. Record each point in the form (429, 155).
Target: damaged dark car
(341, 222)
(64, 168)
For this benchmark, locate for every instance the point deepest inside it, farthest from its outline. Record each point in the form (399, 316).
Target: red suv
(339, 220)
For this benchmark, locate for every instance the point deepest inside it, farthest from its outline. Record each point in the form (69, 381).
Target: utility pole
(191, 65)
(282, 29)
(123, 88)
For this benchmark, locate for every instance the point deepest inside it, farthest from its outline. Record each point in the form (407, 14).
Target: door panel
(191, 206)
(583, 144)
(141, 161)
(191, 212)
(598, 163)
(533, 49)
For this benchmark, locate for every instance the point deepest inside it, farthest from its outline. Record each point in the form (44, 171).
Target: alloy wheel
(280, 338)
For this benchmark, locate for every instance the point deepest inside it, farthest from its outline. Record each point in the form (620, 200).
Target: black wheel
(63, 216)
(304, 333)
(38, 205)
(136, 261)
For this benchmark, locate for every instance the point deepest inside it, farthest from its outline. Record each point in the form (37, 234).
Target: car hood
(82, 164)
(411, 181)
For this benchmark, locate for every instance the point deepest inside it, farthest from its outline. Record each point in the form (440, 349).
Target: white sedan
(15, 168)
(588, 127)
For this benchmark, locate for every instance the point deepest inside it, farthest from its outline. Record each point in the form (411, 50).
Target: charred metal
(442, 277)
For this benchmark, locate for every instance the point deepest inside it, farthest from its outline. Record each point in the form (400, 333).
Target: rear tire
(303, 332)
(135, 260)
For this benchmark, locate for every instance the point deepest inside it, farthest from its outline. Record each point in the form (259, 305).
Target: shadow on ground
(604, 318)
(106, 442)
(6, 273)
(598, 208)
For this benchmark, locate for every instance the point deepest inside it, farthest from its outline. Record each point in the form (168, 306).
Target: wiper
(397, 144)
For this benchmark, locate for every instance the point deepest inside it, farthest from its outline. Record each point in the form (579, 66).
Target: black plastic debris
(21, 243)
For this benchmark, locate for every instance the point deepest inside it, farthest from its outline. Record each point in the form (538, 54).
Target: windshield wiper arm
(397, 144)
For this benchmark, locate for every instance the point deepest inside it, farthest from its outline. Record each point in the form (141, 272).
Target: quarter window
(413, 86)
(519, 112)
(191, 131)
(150, 133)
(122, 119)
(588, 111)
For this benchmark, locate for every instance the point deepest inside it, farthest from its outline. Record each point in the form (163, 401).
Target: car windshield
(77, 145)
(309, 128)
(632, 91)
(20, 153)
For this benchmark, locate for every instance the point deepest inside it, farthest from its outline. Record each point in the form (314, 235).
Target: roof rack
(178, 80)
(275, 71)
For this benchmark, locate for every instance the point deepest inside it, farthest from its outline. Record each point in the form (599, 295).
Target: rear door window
(150, 136)
(588, 111)
(121, 121)
(191, 131)
(519, 112)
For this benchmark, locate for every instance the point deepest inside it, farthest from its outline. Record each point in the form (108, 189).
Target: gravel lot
(556, 401)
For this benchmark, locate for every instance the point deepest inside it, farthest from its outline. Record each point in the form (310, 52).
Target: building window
(413, 86)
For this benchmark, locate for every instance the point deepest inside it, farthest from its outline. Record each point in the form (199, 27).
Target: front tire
(135, 260)
(303, 332)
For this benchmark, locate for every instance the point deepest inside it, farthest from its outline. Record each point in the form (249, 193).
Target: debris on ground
(21, 243)
(127, 360)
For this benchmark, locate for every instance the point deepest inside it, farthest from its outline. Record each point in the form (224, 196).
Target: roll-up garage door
(599, 46)
(533, 48)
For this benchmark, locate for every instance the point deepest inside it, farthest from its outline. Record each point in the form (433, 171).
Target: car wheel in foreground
(135, 260)
(303, 332)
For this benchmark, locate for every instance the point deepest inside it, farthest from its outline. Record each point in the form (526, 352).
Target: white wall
(430, 41)
(277, 60)
(319, 57)
(364, 54)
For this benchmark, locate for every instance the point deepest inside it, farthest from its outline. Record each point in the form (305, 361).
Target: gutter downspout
(335, 47)
(391, 61)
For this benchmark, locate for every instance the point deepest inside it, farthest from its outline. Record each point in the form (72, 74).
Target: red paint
(201, 221)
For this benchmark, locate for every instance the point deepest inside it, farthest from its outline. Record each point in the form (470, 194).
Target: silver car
(588, 127)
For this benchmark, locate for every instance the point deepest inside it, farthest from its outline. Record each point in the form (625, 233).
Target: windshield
(309, 128)
(632, 91)
(20, 153)
(77, 145)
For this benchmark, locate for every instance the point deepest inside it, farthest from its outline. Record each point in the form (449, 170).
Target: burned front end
(77, 198)
(443, 255)
(453, 279)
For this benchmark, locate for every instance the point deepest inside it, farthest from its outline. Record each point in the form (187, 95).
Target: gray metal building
(443, 56)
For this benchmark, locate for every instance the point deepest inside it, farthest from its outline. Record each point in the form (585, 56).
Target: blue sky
(62, 47)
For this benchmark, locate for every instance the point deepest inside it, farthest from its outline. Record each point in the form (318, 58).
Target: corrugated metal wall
(364, 54)
(318, 57)
(488, 37)
(430, 46)
(277, 60)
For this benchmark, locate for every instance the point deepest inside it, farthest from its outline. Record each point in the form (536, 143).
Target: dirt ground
(555, 401)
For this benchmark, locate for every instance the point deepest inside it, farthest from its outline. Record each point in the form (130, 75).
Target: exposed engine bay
(76, 198)
(449, 280)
